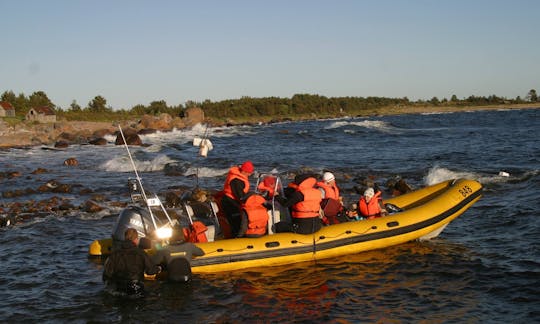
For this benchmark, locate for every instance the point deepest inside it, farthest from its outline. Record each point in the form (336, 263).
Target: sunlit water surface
(483, 268)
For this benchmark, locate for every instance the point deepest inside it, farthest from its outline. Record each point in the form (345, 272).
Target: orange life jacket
(373, 208)
(195, 233)
(268, 184)
(311, 204)
(257, 215)
(235, 173)
(330, 191)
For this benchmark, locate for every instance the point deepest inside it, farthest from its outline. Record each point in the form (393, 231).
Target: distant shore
(443, 109)
(48, 133)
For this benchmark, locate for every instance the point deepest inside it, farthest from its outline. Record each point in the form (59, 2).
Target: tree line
(248, 107)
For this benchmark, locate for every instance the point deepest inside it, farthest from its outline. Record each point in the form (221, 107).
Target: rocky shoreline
(64, 133)
(85, 132)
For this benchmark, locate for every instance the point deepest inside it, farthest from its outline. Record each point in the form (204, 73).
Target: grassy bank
(379, 111)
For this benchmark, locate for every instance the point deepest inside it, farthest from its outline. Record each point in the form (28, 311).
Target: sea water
(484, 267)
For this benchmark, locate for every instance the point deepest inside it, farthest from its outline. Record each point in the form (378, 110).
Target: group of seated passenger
(312, 203)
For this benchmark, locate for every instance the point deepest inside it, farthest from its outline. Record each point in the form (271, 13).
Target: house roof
(44, 110)
(6, 105)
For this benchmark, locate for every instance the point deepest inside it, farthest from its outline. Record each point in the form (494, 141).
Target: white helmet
(328, 176)
(369, 193)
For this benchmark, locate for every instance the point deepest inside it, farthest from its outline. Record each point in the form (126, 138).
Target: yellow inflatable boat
(422, 214)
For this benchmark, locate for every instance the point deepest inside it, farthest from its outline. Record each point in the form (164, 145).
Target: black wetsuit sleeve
(237, 187)
(243, 224)
(197, 251)
(294, 198)
(149, 266)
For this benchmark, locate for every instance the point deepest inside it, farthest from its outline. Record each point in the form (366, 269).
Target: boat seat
(210, 229)
(274, 217)
(210, 233)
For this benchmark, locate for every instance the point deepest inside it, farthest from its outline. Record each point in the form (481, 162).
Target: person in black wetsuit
(124, 269)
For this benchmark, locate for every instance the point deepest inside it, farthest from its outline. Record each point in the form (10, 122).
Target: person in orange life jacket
(370, 204)
(124, 269)
(267, 186)
(236, 186)
(331, 204)
(254, 217)
(305, 202)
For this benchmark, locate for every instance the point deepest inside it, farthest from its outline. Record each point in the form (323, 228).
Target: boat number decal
(465, 191)
(135, 222)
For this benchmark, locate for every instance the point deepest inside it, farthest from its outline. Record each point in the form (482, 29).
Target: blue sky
(135, 52)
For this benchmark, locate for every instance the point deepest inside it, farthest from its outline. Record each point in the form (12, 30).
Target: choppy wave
(438, 174)
(378, 125)
(367, 124)
(123, 164)
(204, 172)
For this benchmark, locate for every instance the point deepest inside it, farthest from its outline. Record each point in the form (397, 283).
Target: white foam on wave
(437, 113)
(369, 124)
(205, 172)
(439, 174)
(186, 135)
(110, 138)
(179, 136)
(122, 164)
(154, 148)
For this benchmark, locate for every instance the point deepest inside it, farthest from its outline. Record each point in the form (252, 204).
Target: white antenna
(138, 178)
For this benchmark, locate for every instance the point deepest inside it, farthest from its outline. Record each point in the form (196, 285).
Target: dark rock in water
(6, 220)
(146, 131)
(71, 162)
(44, 188)
(174, 169)
(52, 184)
(91, 206)
(172, 199)
(99, 197)
(17, 193)
(131, 139)
(121, 204)
(62, 188)
(61, 144)
(65, 206)
(398, 186)
(10, 174)
(98, 141)
(100, 133)
(40, 171)
(86, 191)
(69, 137)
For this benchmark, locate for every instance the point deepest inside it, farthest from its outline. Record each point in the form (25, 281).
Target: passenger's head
(247, 167)
(132, 235)
(328, 177)
(299, 178)
(369, 193)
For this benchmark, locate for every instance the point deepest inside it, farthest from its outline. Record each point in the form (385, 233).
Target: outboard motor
(133, 217)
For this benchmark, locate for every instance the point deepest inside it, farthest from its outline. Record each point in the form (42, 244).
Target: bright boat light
(164, 232)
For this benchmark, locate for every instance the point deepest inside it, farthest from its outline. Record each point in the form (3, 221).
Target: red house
(6, 109)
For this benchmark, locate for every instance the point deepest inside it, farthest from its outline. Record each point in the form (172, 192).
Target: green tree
(9, 96)
(98, 104)
(532, 96)
(138, 109)
(157, 107)
(40, 99)
(454, 98)
(74, 106)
